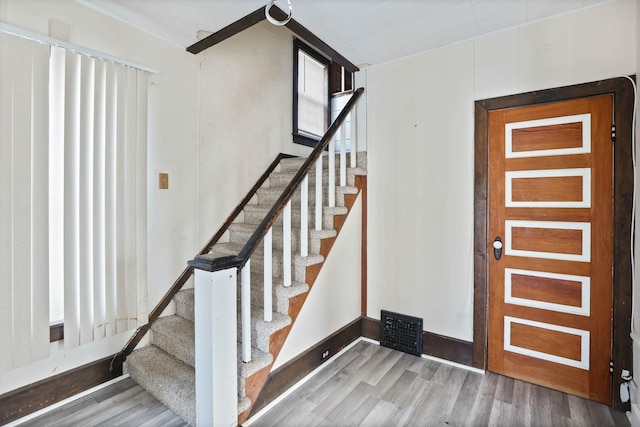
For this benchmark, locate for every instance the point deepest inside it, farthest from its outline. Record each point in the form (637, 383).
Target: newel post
(216, 340)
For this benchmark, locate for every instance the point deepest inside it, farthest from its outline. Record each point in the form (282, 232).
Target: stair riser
(257, 295)
(185, 308)
(174, 346)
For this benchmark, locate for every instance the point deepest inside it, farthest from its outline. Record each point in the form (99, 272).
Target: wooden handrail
(188, 271)
(287, 194)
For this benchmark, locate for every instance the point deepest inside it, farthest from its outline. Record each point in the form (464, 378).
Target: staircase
(166, 368)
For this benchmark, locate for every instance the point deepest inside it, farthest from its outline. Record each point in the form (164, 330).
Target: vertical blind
(73, 187)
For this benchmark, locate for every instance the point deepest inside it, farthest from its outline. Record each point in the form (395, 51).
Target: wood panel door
(550, 205)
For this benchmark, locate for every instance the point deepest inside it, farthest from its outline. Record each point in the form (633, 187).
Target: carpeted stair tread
(280, 294)
(284, 294)
(168, 379)
(298, 262)
(293, 164)
(282, 179)
(176, 336)
(261, 330)
(259, 359)
(241, 232)
(244, 403)
(255, 213)
(223, 249)
(270, 195)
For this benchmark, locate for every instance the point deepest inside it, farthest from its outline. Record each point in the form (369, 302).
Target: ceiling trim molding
(257, 16)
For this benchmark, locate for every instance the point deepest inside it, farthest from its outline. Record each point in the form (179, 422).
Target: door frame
(623, 100)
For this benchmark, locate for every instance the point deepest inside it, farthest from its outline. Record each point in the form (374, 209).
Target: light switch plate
(163, 181)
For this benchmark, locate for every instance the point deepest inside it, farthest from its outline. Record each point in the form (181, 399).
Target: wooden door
(550, 200)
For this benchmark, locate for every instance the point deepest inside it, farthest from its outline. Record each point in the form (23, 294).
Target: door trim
(623, 100)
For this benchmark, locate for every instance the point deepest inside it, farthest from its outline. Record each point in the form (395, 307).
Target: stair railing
(187, 273)
(283, 205)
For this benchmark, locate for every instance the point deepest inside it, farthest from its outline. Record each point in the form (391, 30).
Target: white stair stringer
(165, 368)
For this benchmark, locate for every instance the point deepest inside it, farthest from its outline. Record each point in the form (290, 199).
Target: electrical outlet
(325, 354)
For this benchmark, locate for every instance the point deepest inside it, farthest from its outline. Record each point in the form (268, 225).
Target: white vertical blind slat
(110, 199)
(130, 195)
(86, 120)
(40, 205)
(141, 199)
(71, 191)
(121, 320)
(99, 315)
(6, 148)
(21, 202)
(56, 184)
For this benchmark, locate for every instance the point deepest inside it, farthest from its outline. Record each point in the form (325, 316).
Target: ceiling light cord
(634, 333)
(273, 20)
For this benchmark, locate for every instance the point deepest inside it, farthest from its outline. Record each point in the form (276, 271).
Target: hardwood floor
(368, 386)
(371, 385)
(124, 403)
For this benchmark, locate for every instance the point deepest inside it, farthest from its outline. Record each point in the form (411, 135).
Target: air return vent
(401, 332)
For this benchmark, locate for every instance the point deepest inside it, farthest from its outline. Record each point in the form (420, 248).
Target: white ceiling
(363, 31)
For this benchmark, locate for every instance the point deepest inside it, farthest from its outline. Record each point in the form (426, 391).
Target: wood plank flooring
(367, 386)
(124, 403)
(374, 386)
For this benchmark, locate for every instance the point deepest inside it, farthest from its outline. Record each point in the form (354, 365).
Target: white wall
(420, 149)
(334, 300)
(245, 117)
(172, 148)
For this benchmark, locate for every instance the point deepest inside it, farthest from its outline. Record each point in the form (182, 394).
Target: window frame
(300, 138)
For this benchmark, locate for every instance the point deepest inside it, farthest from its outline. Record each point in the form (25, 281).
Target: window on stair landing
(311, 100)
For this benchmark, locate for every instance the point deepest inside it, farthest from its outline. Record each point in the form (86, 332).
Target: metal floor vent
(401, 332)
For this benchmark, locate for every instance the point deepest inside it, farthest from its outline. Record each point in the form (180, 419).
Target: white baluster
(343, 155)
(319, 194)
(268, 275)
(286, 244)
(245, 304)
(332, 172)
(304, 216)
(354, 145)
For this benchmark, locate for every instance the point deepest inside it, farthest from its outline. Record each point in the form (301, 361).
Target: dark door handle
(497, 248)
